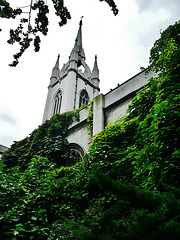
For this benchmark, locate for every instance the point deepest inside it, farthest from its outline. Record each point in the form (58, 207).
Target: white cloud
(10, 128)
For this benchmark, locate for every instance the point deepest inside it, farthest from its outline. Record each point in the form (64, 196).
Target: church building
(76, 84)
(74, 79)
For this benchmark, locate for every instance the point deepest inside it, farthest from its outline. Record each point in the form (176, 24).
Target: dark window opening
(73, 158)
(75, 155)
(84, 99)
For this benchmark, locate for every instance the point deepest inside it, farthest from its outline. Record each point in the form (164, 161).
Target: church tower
(74, 84)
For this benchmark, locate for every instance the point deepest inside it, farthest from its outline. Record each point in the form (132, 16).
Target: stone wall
(107, 109)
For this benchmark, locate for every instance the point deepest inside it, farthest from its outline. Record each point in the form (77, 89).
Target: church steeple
(74, 84)
(77, 52)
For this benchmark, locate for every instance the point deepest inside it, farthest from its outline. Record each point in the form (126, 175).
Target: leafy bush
(143, 147)
(48, 140)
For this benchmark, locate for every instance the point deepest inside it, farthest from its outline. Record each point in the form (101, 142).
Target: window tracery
(84, 99)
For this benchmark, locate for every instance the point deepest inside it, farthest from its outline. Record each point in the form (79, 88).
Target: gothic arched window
(84, 99)
(57, 102)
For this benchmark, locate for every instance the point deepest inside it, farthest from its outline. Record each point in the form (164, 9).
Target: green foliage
(167, 48)
(48, 140)
(38, 197)
(29, 29)
(130, 214)
(90, 119)
(45, 202)
(109, 149)
(112, 5)
(76, 113)
(127, 186)
(6, 10)
(143, 147)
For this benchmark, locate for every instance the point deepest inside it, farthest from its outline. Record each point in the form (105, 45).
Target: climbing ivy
(90, 118)
(142, 148)
(77, 111)
(48, 140)
(127, 186)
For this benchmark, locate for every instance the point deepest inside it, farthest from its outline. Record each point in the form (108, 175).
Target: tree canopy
(127, 186)
(30, 30)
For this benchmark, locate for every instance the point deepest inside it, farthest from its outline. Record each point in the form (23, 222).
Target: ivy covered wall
(126, 187)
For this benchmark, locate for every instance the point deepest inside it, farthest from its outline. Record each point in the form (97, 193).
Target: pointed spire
(95, 71)
(78, 51)
(57, 62)
(55, 71)
(78, 40)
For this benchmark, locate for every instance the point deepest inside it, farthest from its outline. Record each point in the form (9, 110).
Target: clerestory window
(57, 102)
(84, 99)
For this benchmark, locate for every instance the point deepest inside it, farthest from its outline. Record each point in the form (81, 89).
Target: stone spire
(77, 52)
(78, 40)
(95, 71)
(55, 71)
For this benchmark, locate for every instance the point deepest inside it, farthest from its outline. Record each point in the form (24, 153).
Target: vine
(48, 140)
(90, 118)
(128, 187)
(76, 113)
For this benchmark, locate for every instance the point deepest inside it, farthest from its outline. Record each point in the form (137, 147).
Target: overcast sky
(122, 45)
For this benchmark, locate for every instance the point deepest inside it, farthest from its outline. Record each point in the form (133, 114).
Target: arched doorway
(75, 155)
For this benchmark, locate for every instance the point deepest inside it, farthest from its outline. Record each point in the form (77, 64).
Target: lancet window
(57, 102)
(84, 99)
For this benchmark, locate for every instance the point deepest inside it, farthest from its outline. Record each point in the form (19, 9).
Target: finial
(80, 23)
(58, 56)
